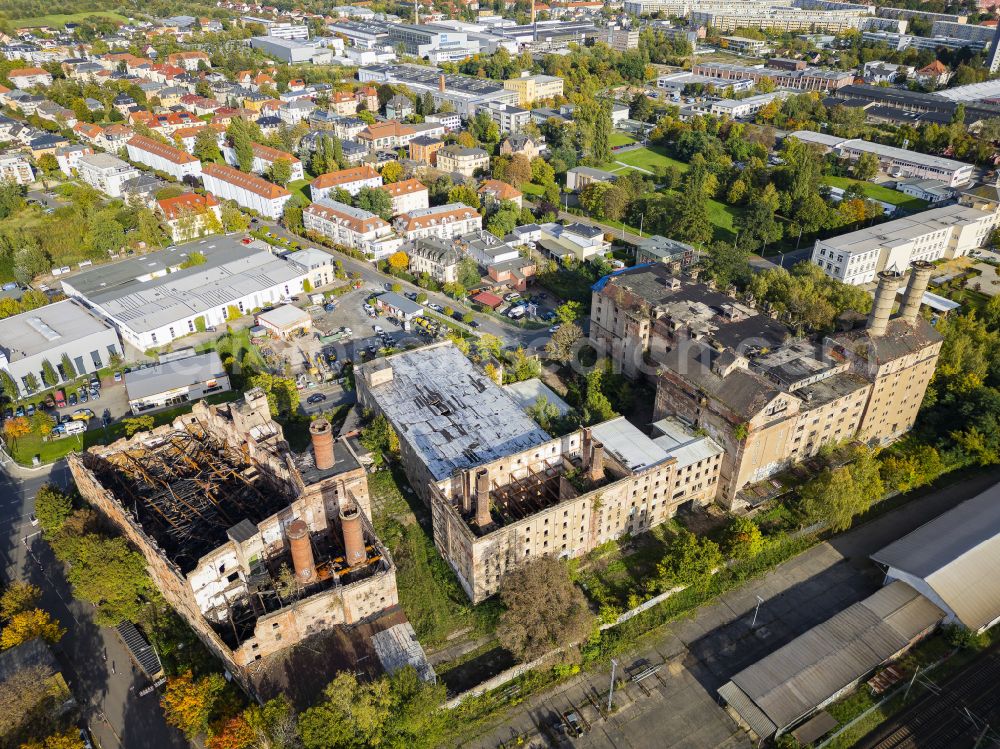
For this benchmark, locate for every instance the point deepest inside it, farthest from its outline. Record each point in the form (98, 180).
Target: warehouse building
(500, 489)
(896, 162)
(223, 512)
(794, 682)
(465, 94)
(954, 560)
(47, 334)
(174, 382)
(152, 300)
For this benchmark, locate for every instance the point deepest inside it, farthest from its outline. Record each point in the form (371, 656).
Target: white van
(76, 427)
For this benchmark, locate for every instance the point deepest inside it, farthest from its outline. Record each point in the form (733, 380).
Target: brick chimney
(354, 535)
(483, 518)
(441, 83)
(322, 444)
(596, 470)
(302, 553)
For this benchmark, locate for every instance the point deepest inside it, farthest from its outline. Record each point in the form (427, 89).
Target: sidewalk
(698, 654)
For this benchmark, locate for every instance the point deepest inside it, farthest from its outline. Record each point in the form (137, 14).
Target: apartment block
(106, 173)
(351, 227)
(163, 158)
(16, 167)
(350, 180)
(408, 195)
(424, 149)
(939, 233)
(264, 158)
(809, 79)
(247, 190)
(444, 222)
(25, 78)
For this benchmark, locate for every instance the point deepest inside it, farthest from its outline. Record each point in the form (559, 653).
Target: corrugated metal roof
(958, 555)
(799, 677)
(737, 699)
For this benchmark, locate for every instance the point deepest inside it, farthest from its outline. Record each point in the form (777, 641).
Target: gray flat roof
(527, 393)
(232, 270)
(192, 370)
(453, 416)
(958, 555)
(40, 330)
(790, 683)
(628, 444)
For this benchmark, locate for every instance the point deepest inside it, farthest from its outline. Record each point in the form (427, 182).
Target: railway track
(963, 714)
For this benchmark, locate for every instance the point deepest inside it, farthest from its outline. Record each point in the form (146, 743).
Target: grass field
(621, 139)
(878, 192)
(647, 158)
(61, 19)
(721, 216)
(300, 187)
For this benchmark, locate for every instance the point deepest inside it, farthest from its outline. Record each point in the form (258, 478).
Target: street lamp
(756, 609)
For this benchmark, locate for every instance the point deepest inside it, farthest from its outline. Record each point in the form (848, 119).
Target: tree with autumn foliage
(399, 261)
(68, 739)
(234, 733)
(27, 625)
(19, 426)
(191, 704)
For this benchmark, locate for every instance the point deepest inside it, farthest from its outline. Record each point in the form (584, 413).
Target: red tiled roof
(344, 176)
(250, 182)
(406, 187)
(487, 299)
(186, 204)
(162, 150)
(272, 154)
(359, 225)
(18, 72)
(502, 189)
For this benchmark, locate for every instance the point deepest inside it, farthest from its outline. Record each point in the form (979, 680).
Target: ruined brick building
(501, 490)
(256, 547)
(769, 398)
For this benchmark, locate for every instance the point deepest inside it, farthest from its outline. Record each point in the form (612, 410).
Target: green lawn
(298, 187)
(61, 19)
(621, 139)
(648, 158)
(530, 188)
(721, 216)
(878, 192)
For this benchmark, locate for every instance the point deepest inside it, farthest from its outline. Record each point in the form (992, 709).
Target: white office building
(940, 233)
(247, 190)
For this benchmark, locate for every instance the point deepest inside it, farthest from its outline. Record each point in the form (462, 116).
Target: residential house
(436, 257)
(494, 191)
(16, 167)
(190, 215)
(68, 157)
(579, 177)
(106, 173)
(460, 160)
(935, 75)
(522, 144)
(386, 135)
(399, 107)
(424, 149)
(25, 78)
(264, 158)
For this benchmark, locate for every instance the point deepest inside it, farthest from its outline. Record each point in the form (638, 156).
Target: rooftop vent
(42, 328)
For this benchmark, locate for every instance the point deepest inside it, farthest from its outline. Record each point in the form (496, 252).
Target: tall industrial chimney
(919, 279)
(441, 85)
(354, 535)
(885, 297)
(483, 518)
(322, 444)
(302, 553)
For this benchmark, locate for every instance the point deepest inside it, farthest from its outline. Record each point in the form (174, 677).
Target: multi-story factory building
(256, 547)
(769, 398)
(502, 491)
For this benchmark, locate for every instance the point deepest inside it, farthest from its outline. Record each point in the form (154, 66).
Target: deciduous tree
(544, 609)
(27, 625)
(190, 704)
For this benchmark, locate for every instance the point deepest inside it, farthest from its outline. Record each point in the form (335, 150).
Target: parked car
(72, 399)
(473, 324)
(83, 396)
(32, 519)
(95, 395)
(65, 419)
(83, 414)
(60, 399)
(435, 306)
(30, 410)
(19, 412)
(554, 328)
(95, 384)
(316, 398)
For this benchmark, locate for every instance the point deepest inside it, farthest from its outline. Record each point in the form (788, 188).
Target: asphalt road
(95, 663)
